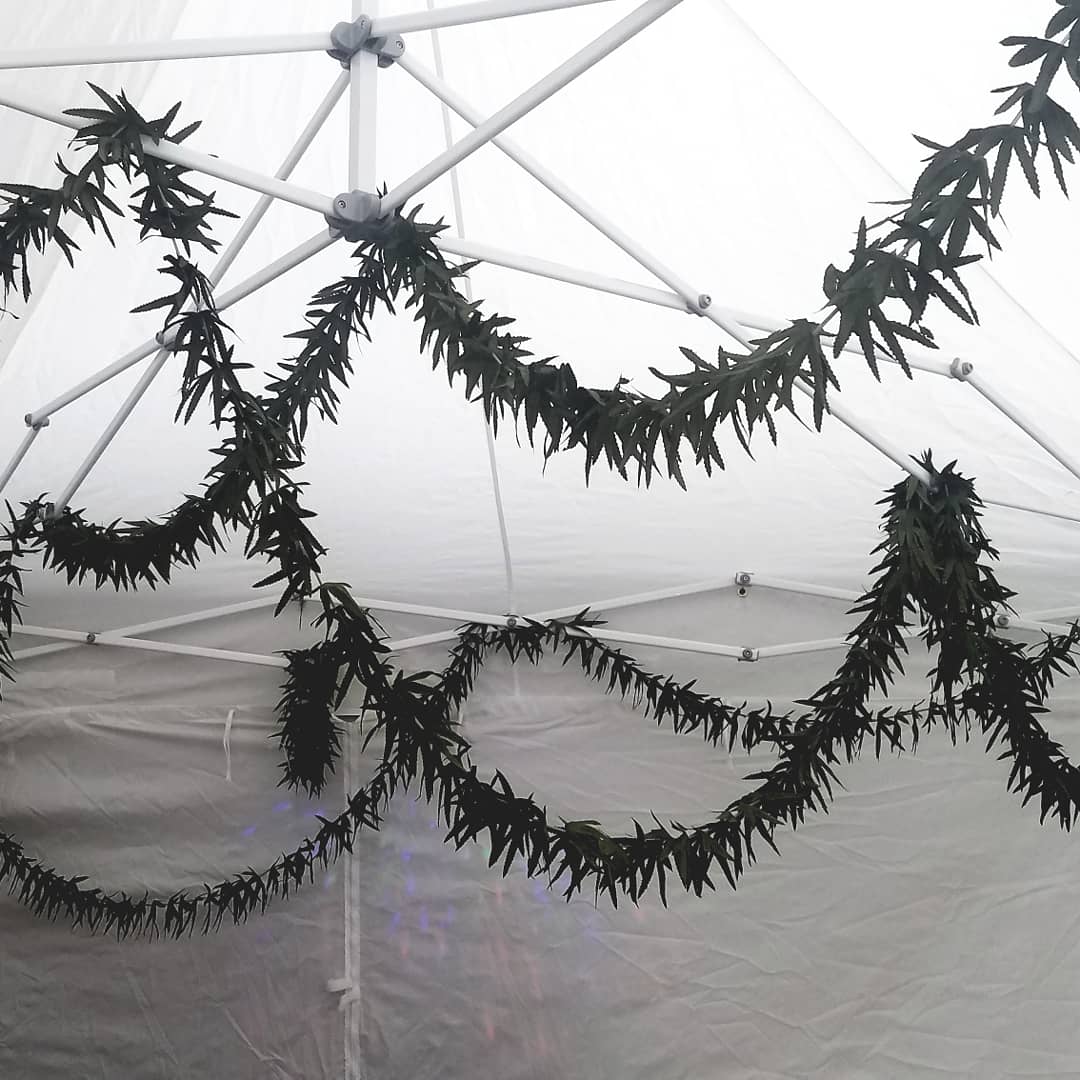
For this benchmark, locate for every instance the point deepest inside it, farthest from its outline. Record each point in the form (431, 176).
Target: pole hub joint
(349, 38)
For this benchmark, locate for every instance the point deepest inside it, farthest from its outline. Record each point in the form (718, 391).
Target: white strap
(228, 748)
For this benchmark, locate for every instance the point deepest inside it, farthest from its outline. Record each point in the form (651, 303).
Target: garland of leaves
(930, 568)
(977, 676)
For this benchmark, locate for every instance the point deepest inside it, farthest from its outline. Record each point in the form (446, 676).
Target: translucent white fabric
(925, 928)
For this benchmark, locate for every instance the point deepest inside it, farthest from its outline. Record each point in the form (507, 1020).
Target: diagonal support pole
(138, 629)
(489, 435)
(226, 260)
(301, 253)
(487, 130)
(921, 360)
(273, 44)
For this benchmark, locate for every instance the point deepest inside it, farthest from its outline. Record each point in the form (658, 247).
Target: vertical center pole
(363, 71)
(466, 288)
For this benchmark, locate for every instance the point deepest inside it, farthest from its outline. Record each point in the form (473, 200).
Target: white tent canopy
(925, 927)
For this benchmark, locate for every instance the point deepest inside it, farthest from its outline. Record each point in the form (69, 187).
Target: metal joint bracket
(961, 369)
(1002, 621)
(349, 38)
(356, 216)
(37, 425)
(698, 306)
(749, 656)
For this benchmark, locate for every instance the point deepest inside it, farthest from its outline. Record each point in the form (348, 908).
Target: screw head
(1001, 621)
(704, 300)
(742, 578)
(342, 204)
(511, 621)
(91, 638)
(747, 654)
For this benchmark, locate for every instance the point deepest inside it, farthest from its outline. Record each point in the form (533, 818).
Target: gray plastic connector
(349, 38)
(28, 419)
(356, 216)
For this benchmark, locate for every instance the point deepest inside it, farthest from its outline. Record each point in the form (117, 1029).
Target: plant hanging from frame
(933, 559)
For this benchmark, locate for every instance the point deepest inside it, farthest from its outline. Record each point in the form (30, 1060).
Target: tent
(925, 927)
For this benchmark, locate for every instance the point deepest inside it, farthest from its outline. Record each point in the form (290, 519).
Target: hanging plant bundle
(933, 560)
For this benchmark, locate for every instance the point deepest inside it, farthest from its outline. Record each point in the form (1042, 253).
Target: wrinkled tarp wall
(926, 927)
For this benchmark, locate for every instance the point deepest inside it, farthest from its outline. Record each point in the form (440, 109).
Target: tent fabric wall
(925, 928)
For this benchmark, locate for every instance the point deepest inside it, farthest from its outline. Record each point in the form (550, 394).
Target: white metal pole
(457, 615)
(20, 453)
(565, 73)
(89, 638)
(1025, 508)
(166, 623)
(489, 435)
(1019, 622)
(189, 49)
(798, 648)
(1006, 407)
(806, 588)
(634, 599)
(292, 159)
(632, 290)
(226, 259)
(148, 375)
(363, 100)
(299, 254)
(695, 299)
(139, 389)
(195, 159)
(460, 14)
(268, 44)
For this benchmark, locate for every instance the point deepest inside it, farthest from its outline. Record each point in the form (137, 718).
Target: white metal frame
(361, 78)
(126, 637)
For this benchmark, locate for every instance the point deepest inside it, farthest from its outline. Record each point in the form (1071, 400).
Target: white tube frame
(271, 44)
(361, 77)
(179, 154)
(88, 638)
(301, 253)
(221, 267)
(166, 623)
(487, 130)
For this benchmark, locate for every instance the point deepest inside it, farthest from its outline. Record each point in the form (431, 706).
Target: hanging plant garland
(978, 677)
(932, 540)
